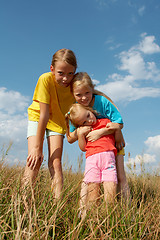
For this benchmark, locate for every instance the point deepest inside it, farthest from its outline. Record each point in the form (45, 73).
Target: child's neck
(92, 101)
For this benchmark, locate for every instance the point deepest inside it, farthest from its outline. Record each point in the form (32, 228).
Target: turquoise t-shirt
(105, 109)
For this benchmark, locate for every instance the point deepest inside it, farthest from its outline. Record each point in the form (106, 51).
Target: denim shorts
(32, 130)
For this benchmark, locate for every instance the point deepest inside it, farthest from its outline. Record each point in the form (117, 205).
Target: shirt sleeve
(111, 111)
(71, 127)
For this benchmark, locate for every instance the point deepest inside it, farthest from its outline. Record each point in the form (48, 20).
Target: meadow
(46, 219)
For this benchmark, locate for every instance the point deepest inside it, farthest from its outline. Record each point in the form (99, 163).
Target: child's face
(86, 118)
(63, 72)
(83, 95)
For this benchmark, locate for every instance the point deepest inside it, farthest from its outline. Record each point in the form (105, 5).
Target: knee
(55, 165)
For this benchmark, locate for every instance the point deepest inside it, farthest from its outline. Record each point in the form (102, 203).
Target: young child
(85, 94)
(51, 100)
(100, 154)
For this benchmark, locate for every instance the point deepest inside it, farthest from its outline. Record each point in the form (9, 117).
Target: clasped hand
(84, 130)
(94, 135)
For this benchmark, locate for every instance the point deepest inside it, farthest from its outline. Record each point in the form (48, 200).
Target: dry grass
(44, 218)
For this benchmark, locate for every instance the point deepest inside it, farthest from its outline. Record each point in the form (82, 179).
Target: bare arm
(81, 131)
(96, 134)
(37, 152)
(111, 128)
(119, 140)
(71, 136)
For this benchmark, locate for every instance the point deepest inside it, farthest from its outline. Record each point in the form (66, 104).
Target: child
(51, 100)
(85, 94)
(100, 154)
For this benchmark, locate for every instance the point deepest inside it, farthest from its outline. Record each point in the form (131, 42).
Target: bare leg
(30, 175)
(93, 192)
(109, 192)
(123, 187)
(55, 147)
(83, 195)
(83, 199)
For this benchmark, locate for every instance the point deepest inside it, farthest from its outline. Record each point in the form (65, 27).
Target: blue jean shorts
(32, 130)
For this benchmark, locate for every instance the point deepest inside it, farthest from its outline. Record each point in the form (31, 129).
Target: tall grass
(44, 218)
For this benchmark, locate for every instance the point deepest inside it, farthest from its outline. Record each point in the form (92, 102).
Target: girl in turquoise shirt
(85, 94)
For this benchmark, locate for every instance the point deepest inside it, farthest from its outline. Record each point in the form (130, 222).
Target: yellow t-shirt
(59, 99)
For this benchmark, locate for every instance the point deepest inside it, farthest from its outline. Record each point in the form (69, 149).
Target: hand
(119, 140)
(120, 145)
(93, 135)
(84, 130)
(33, 158)
(113, 126)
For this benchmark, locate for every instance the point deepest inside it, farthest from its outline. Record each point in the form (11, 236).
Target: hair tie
(68, 113)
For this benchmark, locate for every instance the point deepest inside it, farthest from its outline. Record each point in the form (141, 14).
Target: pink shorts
(101, 167)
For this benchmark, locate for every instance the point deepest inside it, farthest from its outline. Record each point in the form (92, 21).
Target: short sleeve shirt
(103, 144)
(59, 99)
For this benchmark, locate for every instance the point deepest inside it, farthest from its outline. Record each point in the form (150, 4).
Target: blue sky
(116, 42)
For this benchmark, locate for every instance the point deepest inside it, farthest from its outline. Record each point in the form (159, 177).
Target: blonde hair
(74, 112)
(83, 79)
(65, 55)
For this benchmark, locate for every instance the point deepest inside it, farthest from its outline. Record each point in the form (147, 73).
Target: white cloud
(13, 128)
(148, 45)
(145, 158)
(133, 63)
(13, 122)
(145, 162)
(141, 10)
(115, 46)
(151, 158)
(95, 81)
(136, 71)
(13, 114)
(124, 91)
(153, 144)
(12, 101)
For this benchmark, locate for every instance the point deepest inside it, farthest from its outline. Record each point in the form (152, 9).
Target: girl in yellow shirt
(51, 100)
